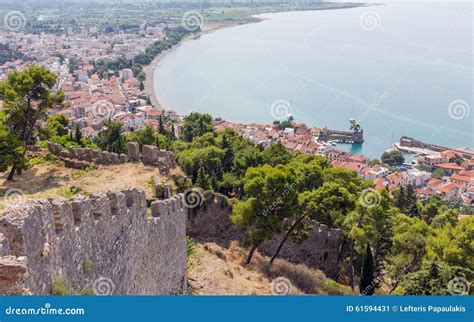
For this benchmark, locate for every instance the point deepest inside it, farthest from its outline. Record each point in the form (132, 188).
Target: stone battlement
(211, 221)
(152, 155)
(105, 236)
(321, 249)
(82, 158)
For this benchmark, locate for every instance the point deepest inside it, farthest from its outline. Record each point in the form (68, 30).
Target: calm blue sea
(399, 69)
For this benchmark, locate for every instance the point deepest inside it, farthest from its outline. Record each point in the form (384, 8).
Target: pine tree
(367, 284)
(26, 96)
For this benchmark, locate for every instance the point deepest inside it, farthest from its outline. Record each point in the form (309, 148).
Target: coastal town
(454, 172)
(94, 97)
(109, 187)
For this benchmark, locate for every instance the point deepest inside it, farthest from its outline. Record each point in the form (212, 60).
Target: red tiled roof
(449, 154)
(457, 177)
(433, 182)
(449, 166)
(352, 166)
(467, 173)
(448, 187)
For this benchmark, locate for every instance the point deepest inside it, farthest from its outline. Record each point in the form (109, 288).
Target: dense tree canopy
(393, 158)
(196, 125)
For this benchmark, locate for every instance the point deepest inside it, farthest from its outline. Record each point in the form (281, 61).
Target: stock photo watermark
(193, 198)
(281, 109)
(103, 286)
(281, 286)
(192, 21)
(13, 196)
(459, 109)
(370, 198)
(370, 21)
(14, 21)
(103, 110)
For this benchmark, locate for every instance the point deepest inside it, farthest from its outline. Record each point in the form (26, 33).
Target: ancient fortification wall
(105, 243)
(320, 249)
(211, 221)
(83, 158)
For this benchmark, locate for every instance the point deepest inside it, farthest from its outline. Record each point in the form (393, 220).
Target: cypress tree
(401, 200)
(367, 284)
(411, 202)
(78, 134)
(162, 127)
(202, 181)
(228, 156)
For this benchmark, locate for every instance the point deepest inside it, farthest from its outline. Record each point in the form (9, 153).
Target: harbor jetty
(409, 144)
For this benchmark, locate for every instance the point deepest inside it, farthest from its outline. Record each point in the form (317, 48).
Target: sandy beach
(150, 69)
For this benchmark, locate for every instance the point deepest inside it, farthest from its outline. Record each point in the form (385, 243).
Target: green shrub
(190, 246)
(87, 292)
(334, 288)
(69, 192)
(60, 287)
(49, 158)
(81, 173)
(88, 265)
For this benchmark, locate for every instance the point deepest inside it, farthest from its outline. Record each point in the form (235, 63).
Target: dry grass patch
(45, 180)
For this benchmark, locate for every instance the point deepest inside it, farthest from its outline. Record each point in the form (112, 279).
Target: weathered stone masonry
(108, 235)
(82, 158)
(211, 221)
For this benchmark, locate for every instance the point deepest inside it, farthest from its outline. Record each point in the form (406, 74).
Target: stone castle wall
(211, 221)
(84, 242)
(82, 158)
(320, 249)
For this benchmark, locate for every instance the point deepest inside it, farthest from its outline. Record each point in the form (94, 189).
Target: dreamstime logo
(281, 109)
(459, 109)
(13, 196)
(192, 21)
(370, 197)
(281, 286)
(458, 286)
(103, 110)
(103, 286)
(14, 21)
(192, 198)
(370, 20)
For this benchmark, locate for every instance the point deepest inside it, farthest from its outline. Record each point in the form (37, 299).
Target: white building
(126, 74)
(376, 172)
(416, 178)
(289, 132)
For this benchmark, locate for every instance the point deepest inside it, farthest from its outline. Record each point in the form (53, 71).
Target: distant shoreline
(150, 69)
